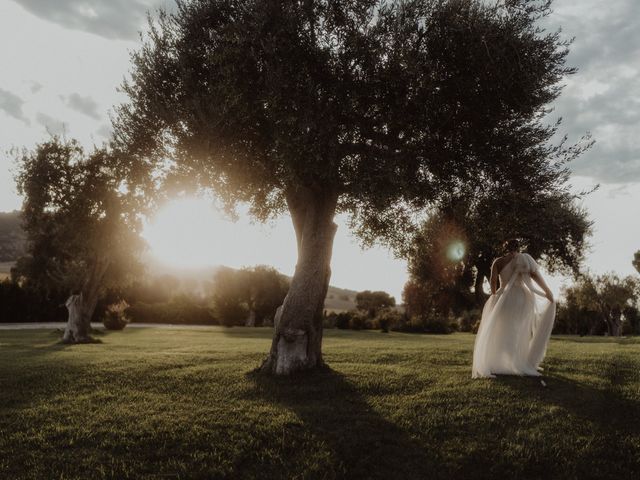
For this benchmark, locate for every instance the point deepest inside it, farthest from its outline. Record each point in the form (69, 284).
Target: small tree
(265, 292)
(606, 295)
(636, 261)
(249, 296)
(369, 107)
(373, 302)
(82, 231)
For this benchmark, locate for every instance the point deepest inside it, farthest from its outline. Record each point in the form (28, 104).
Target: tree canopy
(454, 250)
(377, 109)
(372, 302)
(249, 296)
(82, 229)
(387, 105)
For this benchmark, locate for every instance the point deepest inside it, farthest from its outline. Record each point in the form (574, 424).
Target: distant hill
(12, 237)
(12, 245)
(340, 299)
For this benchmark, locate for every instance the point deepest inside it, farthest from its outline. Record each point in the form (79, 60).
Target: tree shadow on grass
(362, 443)
(606, 415)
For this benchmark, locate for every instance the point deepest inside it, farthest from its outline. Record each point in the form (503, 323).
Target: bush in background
(20, 304)
(358, 320)
(385, 320)
(469, 320)
(429, 322)
(182, 310)
(115, 317)
(343, 320)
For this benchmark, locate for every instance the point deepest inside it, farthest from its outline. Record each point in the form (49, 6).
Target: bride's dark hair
(511, 245)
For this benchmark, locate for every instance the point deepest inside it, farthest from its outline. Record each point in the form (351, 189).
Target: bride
(516, 320)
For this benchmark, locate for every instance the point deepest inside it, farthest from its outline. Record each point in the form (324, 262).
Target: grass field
(159, 403)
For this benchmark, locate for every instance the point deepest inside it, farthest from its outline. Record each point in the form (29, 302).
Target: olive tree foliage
(371, 108)
(550, 224)
(81, 227)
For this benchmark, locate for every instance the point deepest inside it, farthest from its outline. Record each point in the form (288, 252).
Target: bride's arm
(540, 281)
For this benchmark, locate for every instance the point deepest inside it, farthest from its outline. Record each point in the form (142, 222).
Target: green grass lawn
(161, 404)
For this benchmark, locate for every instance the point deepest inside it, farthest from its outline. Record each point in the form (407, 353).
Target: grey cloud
(85, 105)
(11, 104)
(36, 87)
(52, 125)
(114, 19)
(606, 51)
(105, 131)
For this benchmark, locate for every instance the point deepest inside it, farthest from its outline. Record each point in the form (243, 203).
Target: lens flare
(455, 252)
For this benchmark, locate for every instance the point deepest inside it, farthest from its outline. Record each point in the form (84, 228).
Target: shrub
(430, 322)
(115, 317)
(343, 320)
(632, 321)
(329, 320)
(387, 320)
(358, 320)
(177, 311)
(469, 320)
(23, 304)
(476, 327)
(384, 324)
(231, 314)
(437, 324)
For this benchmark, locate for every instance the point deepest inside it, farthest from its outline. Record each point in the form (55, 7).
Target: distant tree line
(600, 305)
(249, 296)
(12, 237)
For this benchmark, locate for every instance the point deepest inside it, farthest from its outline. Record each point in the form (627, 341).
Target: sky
(63, 61)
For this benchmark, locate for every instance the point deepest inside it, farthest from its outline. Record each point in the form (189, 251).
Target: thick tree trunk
(82, 306)
(297, 339)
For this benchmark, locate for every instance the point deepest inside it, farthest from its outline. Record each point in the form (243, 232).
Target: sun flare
(187, 233)
(455, 252)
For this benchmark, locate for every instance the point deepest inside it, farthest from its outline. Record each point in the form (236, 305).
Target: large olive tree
(313, 107)
(550, 223)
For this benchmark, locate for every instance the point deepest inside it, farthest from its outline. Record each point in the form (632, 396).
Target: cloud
(604, 96)
(36, 87)
(11, 104)
(85, 105)
(113, 19)
(105, 131)
(52, 125)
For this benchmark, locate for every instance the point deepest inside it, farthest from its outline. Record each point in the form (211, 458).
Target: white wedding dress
(516, 324)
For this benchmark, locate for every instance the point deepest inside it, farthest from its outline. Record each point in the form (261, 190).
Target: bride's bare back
(501, 262)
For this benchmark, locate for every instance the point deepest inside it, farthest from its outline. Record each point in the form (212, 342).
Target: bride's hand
(549, 296)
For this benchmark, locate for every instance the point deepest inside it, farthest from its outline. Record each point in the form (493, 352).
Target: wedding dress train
(516, 324)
